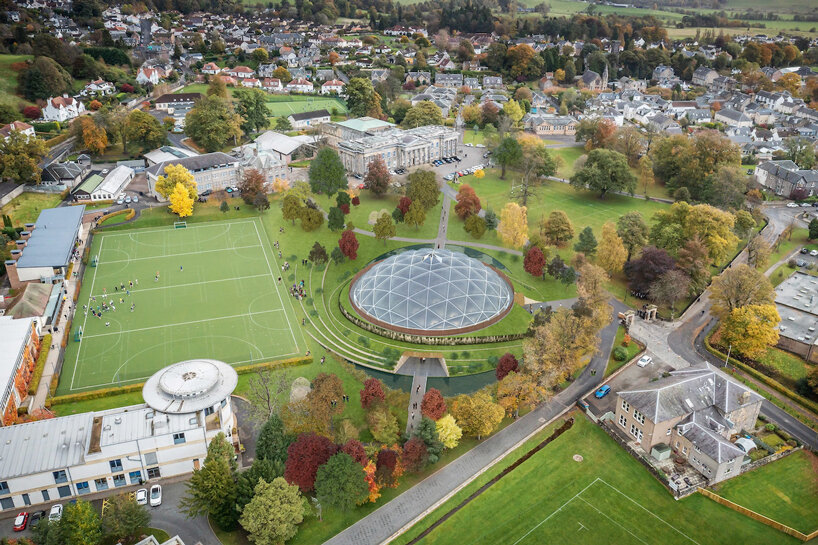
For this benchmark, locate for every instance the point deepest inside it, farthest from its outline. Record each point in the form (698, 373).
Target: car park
(448, 177)
(644, 361)
(21, 522)
(602, 391)
(156, 495)
(135, 199)
(142, 496)
(36, 517)
(120, 200)
(56, 513)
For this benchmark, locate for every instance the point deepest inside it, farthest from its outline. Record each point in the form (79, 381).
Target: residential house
(300, 85)
(733, 118)
(253, 83)
(266, 70)
(454, 81)
(419, 77)
(697, 115)
(662, 72)
(695, 411)
(211, 68)
(704, 76)
(493, 82)
(240, 72)
(309, 119)
(98, 87)
(171, 103)
(272, 85)
(785, 177)
(62, 108)
(332, 87)
(150, 75)
(19, 127)
(593, 81)
(68, 174)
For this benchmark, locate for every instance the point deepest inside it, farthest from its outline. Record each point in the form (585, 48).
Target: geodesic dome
(431, 290)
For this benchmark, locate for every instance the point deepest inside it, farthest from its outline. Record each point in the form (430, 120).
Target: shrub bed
(45, 347)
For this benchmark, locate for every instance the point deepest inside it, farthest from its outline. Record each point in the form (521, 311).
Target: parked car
(805, 204)
(448, 177)
(804, 251)
(813, 253)
(120, 200)
(20, 522)
(602, 391)
(801, 263)
(56, 513)
(128, 199)
(142, 496)
(206, 192)
(135, 199)
(156, 495)
(36, 517)
(792, 205)
(644, 361)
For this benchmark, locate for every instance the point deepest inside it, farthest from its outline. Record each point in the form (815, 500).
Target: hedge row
(52, 388)
(51, 142)
(761, 377)
(107, 392)
(115, 213)
(45, 346)
(66, 331)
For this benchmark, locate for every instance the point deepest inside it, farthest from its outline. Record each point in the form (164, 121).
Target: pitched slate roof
(310, 115)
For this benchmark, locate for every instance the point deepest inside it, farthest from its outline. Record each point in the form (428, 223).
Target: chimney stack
(20, 244)
(30, 227)
(15, 255)
(25, 235)
(11, 271)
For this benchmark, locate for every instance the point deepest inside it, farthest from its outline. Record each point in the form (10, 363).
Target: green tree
(212, 123)
(513, 111)
(361, 97)
(633, 231)
(273, 440)
(335, 219)
(416, 215)
(382, 424)
(283, 124)
(224, 207)
(8, 114)
(145, 129)
(586, 243)
(384, 228)
(605, 170)
(509, 152)
(423, 189)
(124, 518)
(80, 524)
(475, 226)
(252, 107)
(427, 432)
(423, 113)
(45, 78)
(212, 488)
(327, 174)
(740, 286)
(260, 55)
(341, 482)
(291, 208)
(246, 483)
(273, 515)
(20, 158)
(813, 229)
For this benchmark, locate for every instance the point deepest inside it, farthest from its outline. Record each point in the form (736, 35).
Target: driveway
(249, 428)
(630, 378)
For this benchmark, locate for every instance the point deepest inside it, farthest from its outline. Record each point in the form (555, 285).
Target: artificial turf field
(217, 296)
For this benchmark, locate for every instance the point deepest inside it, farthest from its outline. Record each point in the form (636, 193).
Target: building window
(668, 432)
(116, 465)
(684, 449)
(83, 488)
(636, 432)
(60, 476)
(46, 496)
(4, 487)
(101, 484)
(135, 477)
(178, 438)
(26, 500)
(677, 444)
(119, 480)
(6, 503)
(208, 411)
(625, 406)
(728, 470)
(639, 417)
(153, 473)
(622, 420)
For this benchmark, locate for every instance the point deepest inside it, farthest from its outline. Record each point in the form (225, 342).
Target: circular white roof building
(432, 292)
(190, 386)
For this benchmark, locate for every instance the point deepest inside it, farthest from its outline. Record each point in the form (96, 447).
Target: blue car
(602, 392)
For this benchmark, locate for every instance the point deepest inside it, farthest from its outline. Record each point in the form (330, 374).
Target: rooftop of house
(194, 164)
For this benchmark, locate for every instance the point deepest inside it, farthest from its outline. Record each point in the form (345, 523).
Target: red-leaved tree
(372, 393)
(377, 177)
(506, 365)
(433, 405)
(127, 88)
(403, 205)
(349, 244)
(355, 449)
(534, 262)
(387, 461)
(344, 208)
(468, 202)
(415, 454)
(32, 112)
(304, 457)
(356, 200)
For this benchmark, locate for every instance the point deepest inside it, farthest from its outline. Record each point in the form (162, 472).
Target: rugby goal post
(95, 260)
(179, 224)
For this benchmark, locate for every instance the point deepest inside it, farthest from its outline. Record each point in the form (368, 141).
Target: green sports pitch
(208, 290)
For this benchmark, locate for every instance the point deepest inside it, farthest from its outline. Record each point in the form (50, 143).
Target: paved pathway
(415, 398)
(416, 502)
(443, 225)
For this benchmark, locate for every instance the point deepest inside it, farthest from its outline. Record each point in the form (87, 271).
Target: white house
(17, 126)
(334, 86)
(98, 88)
(240, 72)
(186, 405)
(299, 85)
(62, 108)
(147, 75)
(250, 82)
(309, 119)
(211, 68)
(272, 85)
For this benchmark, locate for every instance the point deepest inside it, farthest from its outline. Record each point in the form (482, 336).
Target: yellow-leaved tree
(448, 431)
(513, 227)
(180, 201)
(751, 329)
(279, 185)
(612, 254)
(174, 175)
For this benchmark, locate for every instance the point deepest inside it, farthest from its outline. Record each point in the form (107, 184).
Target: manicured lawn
(785, 490)
(27, 206)
(283, 105)
(472, 137)
(787, 368)
(608, 497)
(633, 349)
(8, 79)
(567, 158)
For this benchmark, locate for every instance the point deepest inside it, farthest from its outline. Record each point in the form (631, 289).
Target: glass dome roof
(431, 290)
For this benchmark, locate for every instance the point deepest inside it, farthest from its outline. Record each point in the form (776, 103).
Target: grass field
(8, 79)
(608, 497)
(216, 297)
(284, 105)
(27, 206)
(785, 490)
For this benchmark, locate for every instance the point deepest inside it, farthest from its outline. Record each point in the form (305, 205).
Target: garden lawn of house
(8, 80)
(632, 349)
(26, 207)
(785, 490)
(608, 497)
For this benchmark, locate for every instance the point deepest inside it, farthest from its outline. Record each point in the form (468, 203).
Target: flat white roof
(189, 386)
(140, 422)
(116, 180)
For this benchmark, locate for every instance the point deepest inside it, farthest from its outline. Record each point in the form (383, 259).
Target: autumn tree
(740, 286)
(751, 329)
(612, 252)
(94, 137)
(468, 203)
(518, 390)
(213, 122)
(423, 189)
(596, 132)
(372, 394)
(251, 184)
(513, 227)
(80, 524)
(534, 261)
(433, 405)
(644, 271)
(349, 244)
(273, 515)
(318, 254)
(556, 348)
(633, 231)
(423, 113)
(291, 208)
(671, 286)
(309, 452)
(175, 175)
(124, 518)
(605, 170)
(20, 158)
(180, 202)
(535, 163)
(476, 414)
(448, 431)
(475, 226)
(557, 229)
(377, 177)
(382, 424)
(758, 252)
(415, 454)
(507, 364)
(341, 482)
